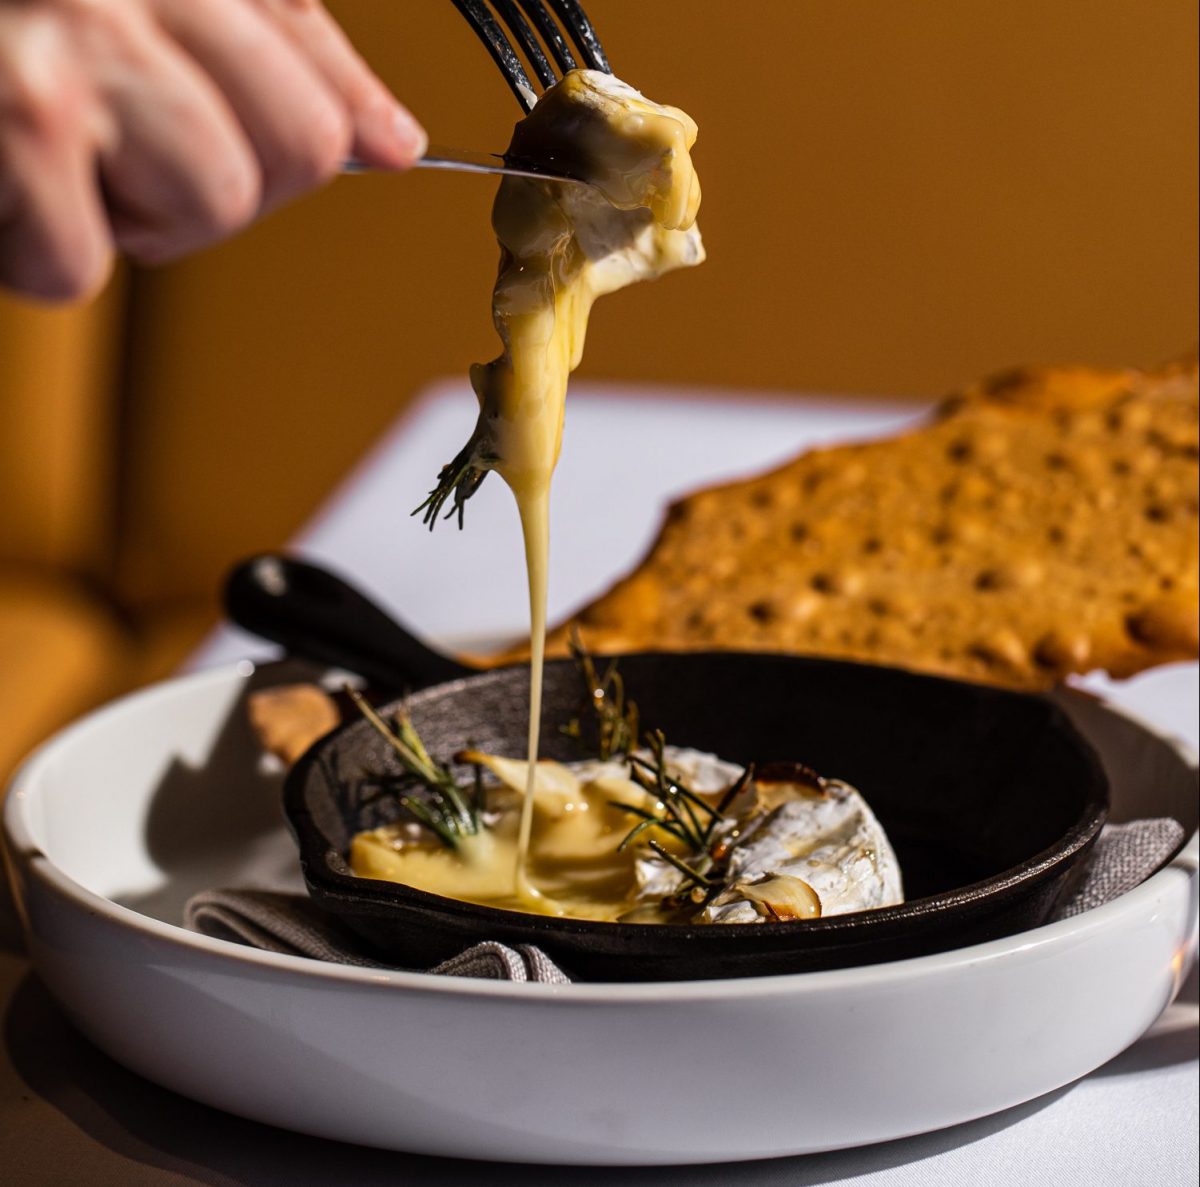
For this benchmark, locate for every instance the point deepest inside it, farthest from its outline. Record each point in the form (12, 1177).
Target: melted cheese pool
(789, 850)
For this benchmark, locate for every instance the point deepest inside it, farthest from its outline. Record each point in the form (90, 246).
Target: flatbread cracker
(1043, 523)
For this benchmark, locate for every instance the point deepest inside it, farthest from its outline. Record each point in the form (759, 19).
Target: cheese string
(534, 509)
(562, 246)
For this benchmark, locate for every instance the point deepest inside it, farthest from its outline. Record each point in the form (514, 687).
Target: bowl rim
(22, 851)
(321, 876)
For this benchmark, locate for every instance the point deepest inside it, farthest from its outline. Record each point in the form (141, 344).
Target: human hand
(157, 127)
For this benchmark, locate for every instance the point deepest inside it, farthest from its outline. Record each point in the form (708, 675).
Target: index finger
(386, 135)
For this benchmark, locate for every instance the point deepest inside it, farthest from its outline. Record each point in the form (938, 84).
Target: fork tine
(576, 23)
(480, 19)
(511, 16)
(552, 35)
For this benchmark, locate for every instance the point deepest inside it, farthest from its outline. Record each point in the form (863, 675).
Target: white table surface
(68, 1114)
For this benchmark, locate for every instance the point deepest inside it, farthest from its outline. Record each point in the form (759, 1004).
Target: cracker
(1043, 523)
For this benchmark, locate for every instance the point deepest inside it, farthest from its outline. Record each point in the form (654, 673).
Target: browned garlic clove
(781, 897)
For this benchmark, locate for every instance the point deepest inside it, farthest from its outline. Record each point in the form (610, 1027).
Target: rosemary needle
(447, 811)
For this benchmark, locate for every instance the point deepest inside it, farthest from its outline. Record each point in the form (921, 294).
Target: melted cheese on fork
(562, 245)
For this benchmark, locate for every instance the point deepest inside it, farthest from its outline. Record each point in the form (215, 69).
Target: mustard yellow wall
(62, 647)
(899, 195)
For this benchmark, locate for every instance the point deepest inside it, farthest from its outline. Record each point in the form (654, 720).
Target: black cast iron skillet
(991, 798)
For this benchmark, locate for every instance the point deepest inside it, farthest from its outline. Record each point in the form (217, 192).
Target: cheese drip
(562, 245)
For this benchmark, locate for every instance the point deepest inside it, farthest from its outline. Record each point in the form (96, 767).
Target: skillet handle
(318, 616)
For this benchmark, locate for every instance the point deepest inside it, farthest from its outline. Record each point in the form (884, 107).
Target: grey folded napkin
(1124, 855)
(295, 925)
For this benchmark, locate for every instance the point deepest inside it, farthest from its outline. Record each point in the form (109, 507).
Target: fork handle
(464, 160)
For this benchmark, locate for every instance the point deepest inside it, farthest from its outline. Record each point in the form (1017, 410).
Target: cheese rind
(834, 843)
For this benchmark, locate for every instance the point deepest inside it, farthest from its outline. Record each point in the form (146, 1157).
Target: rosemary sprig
(684, 815)
(613, 718)
(459, 478)
(731, 793)
(446, 809)
(648, 820)
(694, 877)
(683, 808)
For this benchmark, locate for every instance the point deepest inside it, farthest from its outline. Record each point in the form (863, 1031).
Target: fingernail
(410, 133)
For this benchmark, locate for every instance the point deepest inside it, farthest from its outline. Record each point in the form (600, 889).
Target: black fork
(554, 21)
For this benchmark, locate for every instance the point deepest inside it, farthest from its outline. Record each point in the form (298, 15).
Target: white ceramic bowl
(116, 821)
